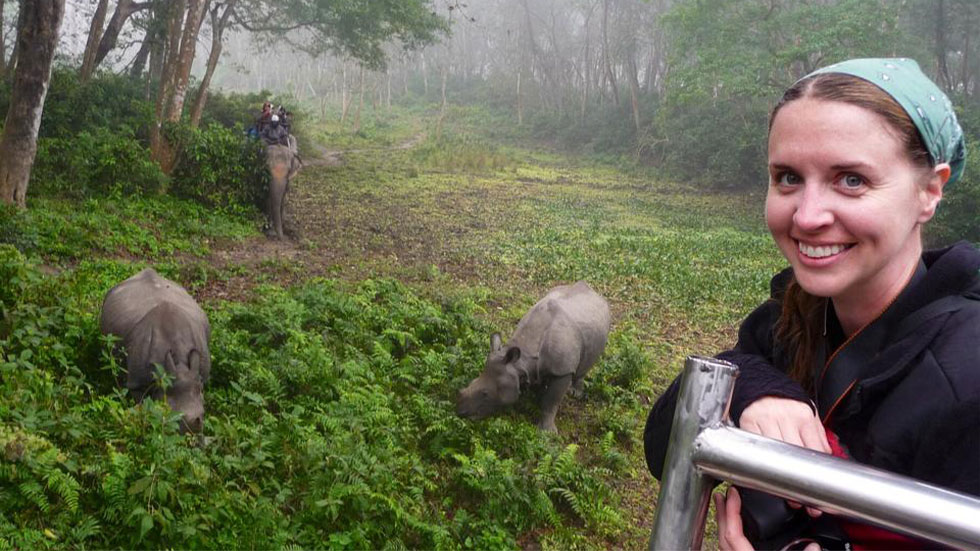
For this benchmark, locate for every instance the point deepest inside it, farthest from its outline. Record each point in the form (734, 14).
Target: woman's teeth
(821, 252)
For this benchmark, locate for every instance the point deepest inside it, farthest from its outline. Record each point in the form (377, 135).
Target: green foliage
(730, 61)
(99, 162)
(219, 167)
(235, 110)
(461, 153)
(146, 227)
(109, 101)
(957, 215)
(330, 423)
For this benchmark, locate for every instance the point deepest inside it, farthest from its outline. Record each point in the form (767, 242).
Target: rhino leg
(578, 387)
(550, 399)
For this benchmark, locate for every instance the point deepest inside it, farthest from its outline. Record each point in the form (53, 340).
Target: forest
(458, 160)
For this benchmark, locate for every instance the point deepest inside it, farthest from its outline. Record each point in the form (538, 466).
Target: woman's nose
(814, 210)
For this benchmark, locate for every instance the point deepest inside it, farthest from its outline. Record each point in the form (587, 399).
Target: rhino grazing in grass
(158, 323)
(554, 346)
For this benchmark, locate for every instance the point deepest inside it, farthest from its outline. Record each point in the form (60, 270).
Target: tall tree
(184, 20)
(101, 42)
(37, 38)
(94, 37)
(220, 16)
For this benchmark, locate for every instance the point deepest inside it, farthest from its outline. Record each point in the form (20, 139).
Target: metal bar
(706, 388)
(864, 493)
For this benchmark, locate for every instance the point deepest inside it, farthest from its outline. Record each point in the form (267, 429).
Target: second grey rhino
(554, 346)
(160, 324)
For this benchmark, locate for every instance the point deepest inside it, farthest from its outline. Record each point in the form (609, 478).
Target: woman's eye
(851, 181)
(788, 179)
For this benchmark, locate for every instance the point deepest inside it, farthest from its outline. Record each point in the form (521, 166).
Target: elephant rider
(285, 117)
(275, 133)
(264, 117)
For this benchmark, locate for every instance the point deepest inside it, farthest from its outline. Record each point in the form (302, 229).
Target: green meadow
(337, 353)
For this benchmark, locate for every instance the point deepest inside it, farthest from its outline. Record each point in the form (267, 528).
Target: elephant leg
(282, 207)
(550, 399)
(277, 193)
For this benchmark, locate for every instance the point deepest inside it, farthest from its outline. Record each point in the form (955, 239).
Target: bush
(219, 167)
(957, 215)
(107, 101)
(95, 162)
(234, 110)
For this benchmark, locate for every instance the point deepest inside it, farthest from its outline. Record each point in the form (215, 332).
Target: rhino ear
(513, 354)
(495, 343)
(170, 364)
(194, 361)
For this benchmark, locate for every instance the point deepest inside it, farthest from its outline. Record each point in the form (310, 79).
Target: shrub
(219, 167)
(95, 162)
(957, 215)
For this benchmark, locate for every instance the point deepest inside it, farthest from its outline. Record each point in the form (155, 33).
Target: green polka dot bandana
(925, 103)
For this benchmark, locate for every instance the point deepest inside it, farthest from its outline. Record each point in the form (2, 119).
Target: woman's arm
(780, 408)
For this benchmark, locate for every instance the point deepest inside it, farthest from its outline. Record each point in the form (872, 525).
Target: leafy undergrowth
(330, 424)
(331, 417)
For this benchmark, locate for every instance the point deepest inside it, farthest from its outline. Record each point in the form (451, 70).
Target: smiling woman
(867, 347)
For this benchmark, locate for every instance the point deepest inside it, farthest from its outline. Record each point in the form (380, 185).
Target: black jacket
(903, 394)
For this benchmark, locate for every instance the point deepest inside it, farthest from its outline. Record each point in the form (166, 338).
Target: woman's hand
(788, 420)
(784, 419)
(728, 515)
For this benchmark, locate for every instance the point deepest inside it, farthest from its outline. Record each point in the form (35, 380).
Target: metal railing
(703, 449)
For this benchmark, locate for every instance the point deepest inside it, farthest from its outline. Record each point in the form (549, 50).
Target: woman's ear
(932, 192)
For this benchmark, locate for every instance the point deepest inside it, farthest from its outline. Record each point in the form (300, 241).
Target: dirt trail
(335, 157)
(273, 256)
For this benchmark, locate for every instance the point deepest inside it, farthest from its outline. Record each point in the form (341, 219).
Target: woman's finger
(815, 436)
(733, 522)
(720, 519)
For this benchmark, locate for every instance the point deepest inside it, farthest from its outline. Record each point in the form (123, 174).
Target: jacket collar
(883, 350)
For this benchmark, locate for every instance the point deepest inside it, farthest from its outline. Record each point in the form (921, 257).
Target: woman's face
(845, 203)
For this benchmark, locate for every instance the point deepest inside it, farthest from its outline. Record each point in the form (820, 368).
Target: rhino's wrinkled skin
(283, 163)
(158, 323)
(554, 346)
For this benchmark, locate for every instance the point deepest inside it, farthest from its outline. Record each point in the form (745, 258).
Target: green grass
(330, 417)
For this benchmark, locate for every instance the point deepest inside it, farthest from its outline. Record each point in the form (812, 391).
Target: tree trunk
(182, 42)
(218, 24)
(345, 98)
(941, 49)
(37, 38)
(360, 104)
(185, 57)
(160, 150)
(15, 54)
(124, 10)
(634, 92)
(94, 37)
(605, 54)
(442, 108)
(3, 50)
(520, 101)
(141, 56)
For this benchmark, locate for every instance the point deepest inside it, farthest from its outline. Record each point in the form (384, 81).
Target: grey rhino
(554, 346)
(159, 323)
(283, 163)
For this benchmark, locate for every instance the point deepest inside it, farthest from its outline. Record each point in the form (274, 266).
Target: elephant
(159, 324)
(555, 344)
(283, 163)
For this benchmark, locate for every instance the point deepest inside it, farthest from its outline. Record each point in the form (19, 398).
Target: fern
(34, 493)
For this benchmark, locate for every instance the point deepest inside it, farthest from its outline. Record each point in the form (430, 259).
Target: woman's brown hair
(801, 321)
